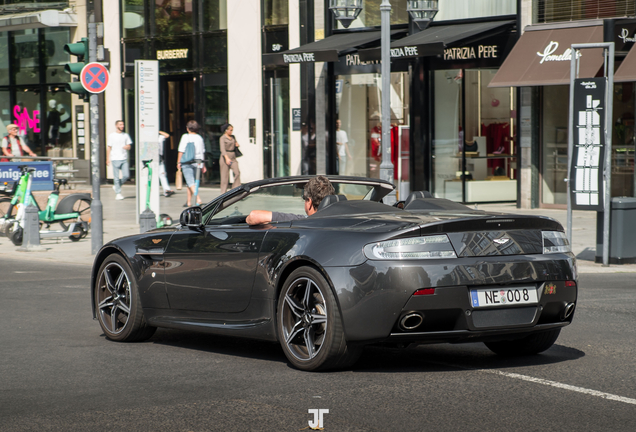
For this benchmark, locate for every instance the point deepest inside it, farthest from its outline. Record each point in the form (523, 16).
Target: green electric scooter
(78, 220)
(163, 219)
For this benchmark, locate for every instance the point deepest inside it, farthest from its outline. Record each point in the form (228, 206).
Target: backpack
(188, 154)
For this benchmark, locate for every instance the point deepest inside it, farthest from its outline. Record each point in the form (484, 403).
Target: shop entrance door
(276, 123)
(177, 110)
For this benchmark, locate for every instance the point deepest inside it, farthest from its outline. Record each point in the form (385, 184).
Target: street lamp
(422, 11)
(345, 11)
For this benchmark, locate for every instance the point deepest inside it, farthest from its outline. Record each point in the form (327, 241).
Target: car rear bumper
(375, 296)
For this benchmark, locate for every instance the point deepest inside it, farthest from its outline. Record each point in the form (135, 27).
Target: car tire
(309, 324)
(532, 344)
(117, 302)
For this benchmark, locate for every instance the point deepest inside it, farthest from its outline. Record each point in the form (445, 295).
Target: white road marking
(556, 384)
(590, 392)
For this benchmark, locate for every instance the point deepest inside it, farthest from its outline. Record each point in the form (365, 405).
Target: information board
(588, 153)
(147, 131)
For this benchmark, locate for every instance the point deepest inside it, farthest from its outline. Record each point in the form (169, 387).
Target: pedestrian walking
(228, 160)
(119, 143)
(190, 159)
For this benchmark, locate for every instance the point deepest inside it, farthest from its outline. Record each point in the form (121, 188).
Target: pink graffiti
(24, 120)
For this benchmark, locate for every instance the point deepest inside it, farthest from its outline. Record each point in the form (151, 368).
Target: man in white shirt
(342, 142)
(119, 143)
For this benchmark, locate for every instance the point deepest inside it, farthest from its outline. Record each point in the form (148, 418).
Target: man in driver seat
(315, 191)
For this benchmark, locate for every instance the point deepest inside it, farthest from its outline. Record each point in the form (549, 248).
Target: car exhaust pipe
(567, 312)
(411, 321)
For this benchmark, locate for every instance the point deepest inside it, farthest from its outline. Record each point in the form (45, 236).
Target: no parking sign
(94, 77)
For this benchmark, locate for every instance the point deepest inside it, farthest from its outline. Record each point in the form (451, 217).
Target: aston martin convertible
(356, 272)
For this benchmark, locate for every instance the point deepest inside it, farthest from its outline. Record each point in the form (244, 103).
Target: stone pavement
(119, 221)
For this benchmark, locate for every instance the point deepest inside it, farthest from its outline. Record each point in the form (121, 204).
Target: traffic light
(79, 49)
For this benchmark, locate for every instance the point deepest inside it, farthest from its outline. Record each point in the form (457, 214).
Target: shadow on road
(424, 358)
(446, 357)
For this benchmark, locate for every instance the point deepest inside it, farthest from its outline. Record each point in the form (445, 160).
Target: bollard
(147, 221)
(31, 233)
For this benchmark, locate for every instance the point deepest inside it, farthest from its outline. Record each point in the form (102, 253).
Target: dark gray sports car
(356, 272)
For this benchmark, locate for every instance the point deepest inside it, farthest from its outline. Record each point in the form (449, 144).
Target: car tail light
(425, 247)
(570, 284)
(555, 242)
(424, 291)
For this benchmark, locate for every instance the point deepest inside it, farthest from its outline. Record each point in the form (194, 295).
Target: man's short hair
(317, 189)
(118, 121)
(193, 126)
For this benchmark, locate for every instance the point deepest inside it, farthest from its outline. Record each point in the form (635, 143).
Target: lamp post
(422, 11)
(345, 11)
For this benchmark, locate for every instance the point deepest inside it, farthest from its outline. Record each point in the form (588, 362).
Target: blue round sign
(94, 77)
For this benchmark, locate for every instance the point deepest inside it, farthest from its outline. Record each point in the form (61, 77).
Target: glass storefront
(32, 95)
(554, 143)
(473, 151)
(189, 39)
(359, 124)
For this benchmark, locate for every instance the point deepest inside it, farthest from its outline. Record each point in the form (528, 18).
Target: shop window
(484, 138)
(358, 102)
(27, 59)
(6, 118)
(370, 14)
(173, 17)
(554, 167)
(4, 58)
(623, 140)
(276, 12)
(58, 120)
(465, 9)
(214, 15)
(54, 56)
(27, 115)
(133, 18)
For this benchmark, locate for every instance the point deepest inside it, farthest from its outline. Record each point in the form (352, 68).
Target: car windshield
(279, 198)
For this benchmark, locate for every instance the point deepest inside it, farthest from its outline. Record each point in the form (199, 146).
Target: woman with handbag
(227, 161)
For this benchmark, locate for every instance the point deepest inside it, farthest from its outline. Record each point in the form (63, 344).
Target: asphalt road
(58, 372)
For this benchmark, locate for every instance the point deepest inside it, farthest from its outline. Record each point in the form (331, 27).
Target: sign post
(590, 141)
(97, 228)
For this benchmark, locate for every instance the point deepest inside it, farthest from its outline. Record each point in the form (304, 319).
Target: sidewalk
(119, 221)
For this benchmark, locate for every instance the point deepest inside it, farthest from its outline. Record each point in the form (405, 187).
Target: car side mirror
(192, 217)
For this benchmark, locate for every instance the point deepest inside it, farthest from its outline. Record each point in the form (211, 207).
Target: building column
(295, 149)
(245, 82)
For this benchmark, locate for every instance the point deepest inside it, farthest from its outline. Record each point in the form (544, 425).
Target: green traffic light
(74, 68)
(79, 49)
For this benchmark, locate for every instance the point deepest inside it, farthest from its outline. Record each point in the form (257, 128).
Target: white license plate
(500, 297)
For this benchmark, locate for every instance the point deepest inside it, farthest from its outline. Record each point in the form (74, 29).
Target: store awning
(627, 70)
(542, 56)
(38, 19)
(326, 50)
(435, 39)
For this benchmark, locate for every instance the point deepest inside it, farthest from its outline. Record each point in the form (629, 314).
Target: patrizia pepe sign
(548, 54)
(299, 58)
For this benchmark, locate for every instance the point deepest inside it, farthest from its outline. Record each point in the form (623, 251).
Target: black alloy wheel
(117, 302)
(309, 324)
